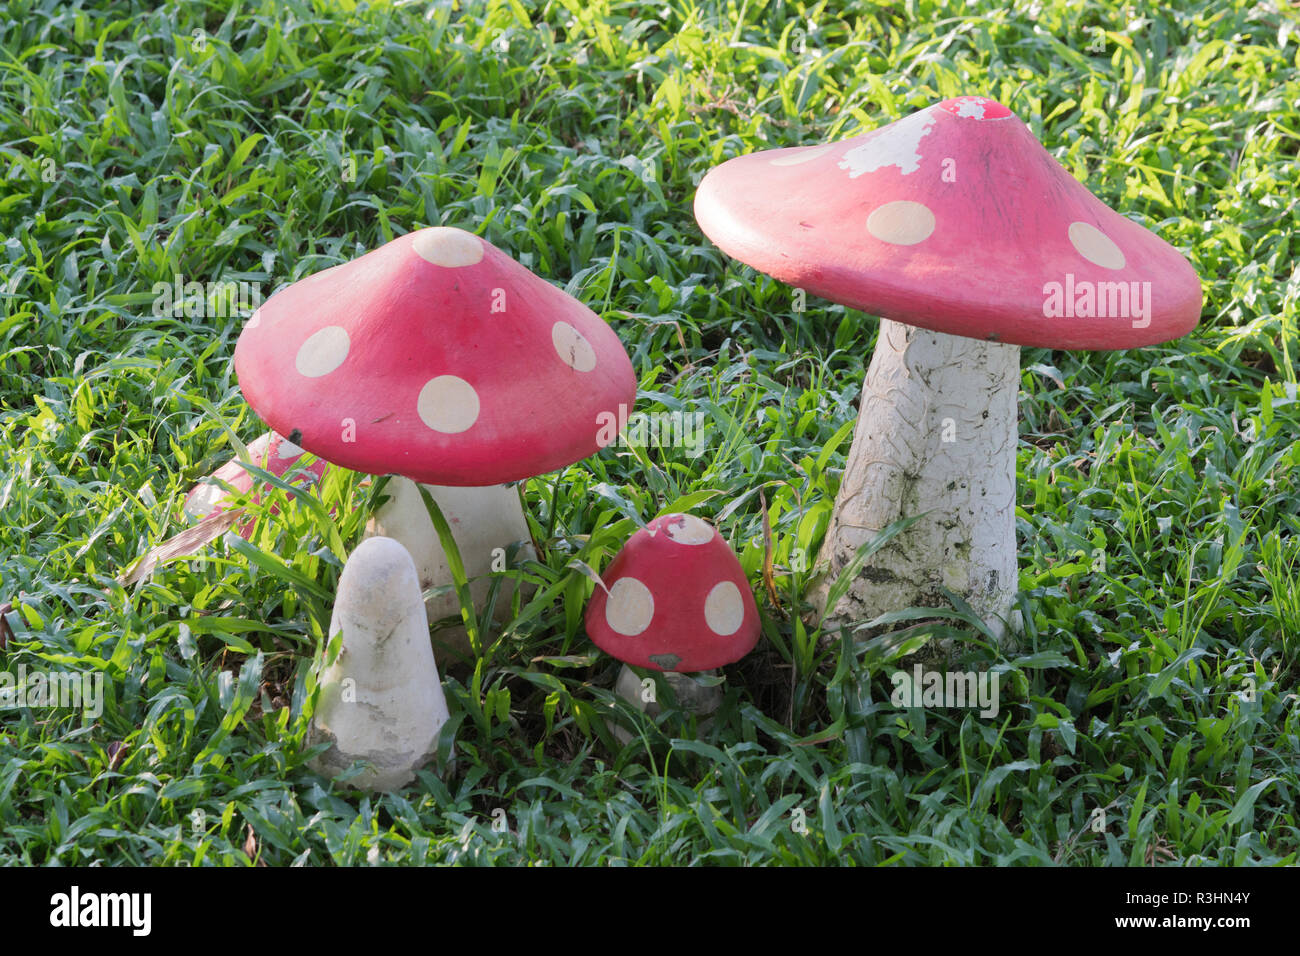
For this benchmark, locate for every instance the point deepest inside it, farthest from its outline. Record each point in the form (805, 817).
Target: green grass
(1158, 522)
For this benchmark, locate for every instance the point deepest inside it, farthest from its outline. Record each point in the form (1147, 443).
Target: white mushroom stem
(486, 523)
(936, 433)
(691, 696)
(381, 701)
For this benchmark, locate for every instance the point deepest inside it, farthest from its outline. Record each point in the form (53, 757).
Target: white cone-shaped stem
(381, 701)
(936, 433)
(486, 522)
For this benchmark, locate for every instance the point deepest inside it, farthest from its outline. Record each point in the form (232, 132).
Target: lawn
(1150, 714)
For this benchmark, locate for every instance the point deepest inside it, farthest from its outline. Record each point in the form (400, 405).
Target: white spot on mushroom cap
(724, 610)
(448, 404)
(323, 352)
(898, 144)
(448, 247)
(1095, 246)
(572, 348)
(630, 607)
(688, 529)
(901, 223)
(805, 155)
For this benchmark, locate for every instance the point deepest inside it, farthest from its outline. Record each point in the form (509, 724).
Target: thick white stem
(486, 523)
(936, 433)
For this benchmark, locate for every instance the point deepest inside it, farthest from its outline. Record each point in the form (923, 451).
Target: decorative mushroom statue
(972, 240)
(270, 452)
(675, 600)
(381, 701)
(484, 521)
(438, 358)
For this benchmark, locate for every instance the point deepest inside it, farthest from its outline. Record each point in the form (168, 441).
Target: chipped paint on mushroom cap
(953, 219)
(437, 357)
(678, 600)
(270, 452)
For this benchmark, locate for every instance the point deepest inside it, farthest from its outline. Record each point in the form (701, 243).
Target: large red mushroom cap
(270, 452)
(953, 219)
(437, 357)
(678, 600)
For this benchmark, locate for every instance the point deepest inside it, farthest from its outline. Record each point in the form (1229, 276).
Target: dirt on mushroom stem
(936, 435)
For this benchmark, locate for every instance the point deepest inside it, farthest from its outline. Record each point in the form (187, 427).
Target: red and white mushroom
(439, 358)
(436, 357)
(971, 240)
(675, 600)
(270, 452)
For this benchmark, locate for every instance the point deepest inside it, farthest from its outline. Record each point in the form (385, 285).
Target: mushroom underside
(491, 533)
(936, 436)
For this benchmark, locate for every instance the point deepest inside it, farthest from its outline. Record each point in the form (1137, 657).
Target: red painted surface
(680, 578)
(409, 321)
(263, 452)
(1002, 210)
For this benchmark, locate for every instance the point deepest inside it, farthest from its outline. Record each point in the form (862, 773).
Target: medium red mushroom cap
(678, 600)
(437, 357)
(270, 452)
(953, 219)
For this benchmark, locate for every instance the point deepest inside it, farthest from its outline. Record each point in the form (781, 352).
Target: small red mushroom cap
(953, 219)
(437, 357)
(678, 600)
(271, 453)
